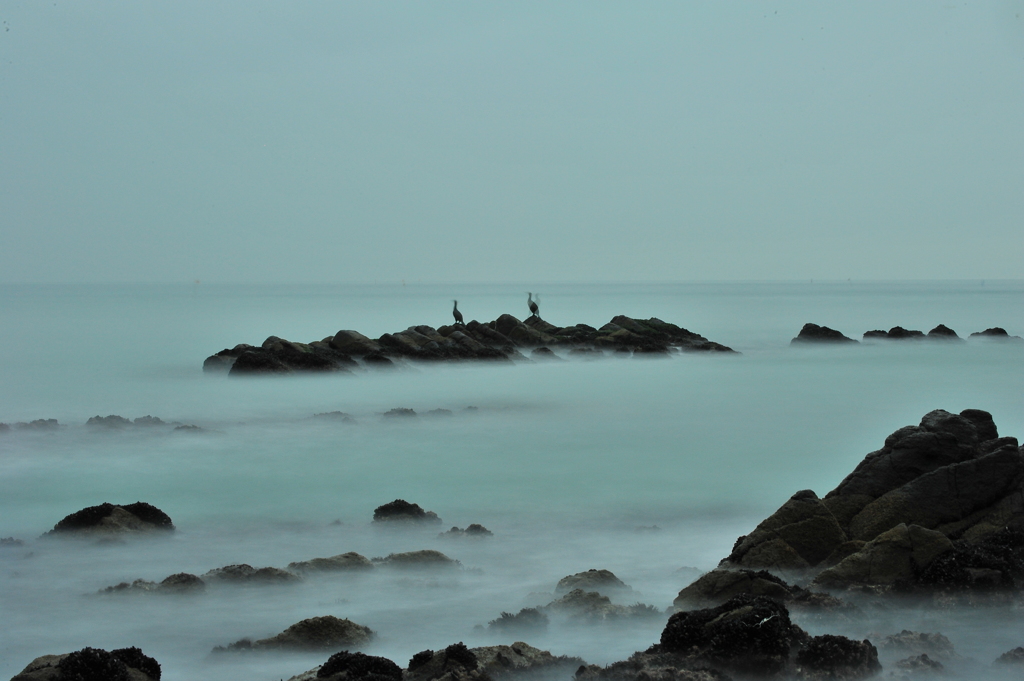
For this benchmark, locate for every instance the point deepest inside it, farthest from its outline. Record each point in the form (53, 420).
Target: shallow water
(565, 462)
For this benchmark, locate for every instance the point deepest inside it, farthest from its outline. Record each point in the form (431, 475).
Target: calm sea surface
(648, 467)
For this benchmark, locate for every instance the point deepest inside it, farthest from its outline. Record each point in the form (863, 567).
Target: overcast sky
(480, 142)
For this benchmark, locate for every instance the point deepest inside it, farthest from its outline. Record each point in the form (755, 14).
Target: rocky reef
(812, 333)
(503, 339)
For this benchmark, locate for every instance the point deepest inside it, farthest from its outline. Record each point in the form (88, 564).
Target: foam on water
(565, 462)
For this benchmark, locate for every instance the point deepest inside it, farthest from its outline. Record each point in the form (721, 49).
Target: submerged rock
(425, 559)
(591, 606)
(180, 583)
(109, 519)
(1013, 657)
(473, 530)
(92, 664)
(315, 633)
(812, 333)
(529, 620)
(918, 643)
(995, 333)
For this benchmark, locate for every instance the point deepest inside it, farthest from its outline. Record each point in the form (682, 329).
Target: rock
(113, 421)
(180, 583)
(812, 333)
(895, 555)
(801, 534)
(718, 586)
(425, 559)
(346, 666)
(544, 354)
(38, 424)
(10, 543)
(918, 643)
(920, 664)
(527, 620)
(943, 332)
(473, 530)
(343, 562)
(899, 333)
(337, 416)
(995, 333)
(108, 519)
(748, 635)
(837, 657)
(243, 574)
(402, 511)
(354, 343)
(454, 663)
(995, 562)
(1013, 657)
(521, 660)
(92, 664)
(277, 355)
(315, 633)
(399, 412)
(601, 581)
(593, 607)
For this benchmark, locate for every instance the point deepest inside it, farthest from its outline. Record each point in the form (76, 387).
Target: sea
(647, 467)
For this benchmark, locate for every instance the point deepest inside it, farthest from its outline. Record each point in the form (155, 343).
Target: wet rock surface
(110, 519)
(502, 339)
(92, 664)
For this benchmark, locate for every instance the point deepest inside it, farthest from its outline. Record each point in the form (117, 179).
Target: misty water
(647, 467)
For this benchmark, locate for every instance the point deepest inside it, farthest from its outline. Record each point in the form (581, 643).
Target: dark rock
(718, 586)
(544, 353)
(527, 620)
(837, 657)
(747, 634)
(418, 560)
(10, 543)
(473, 530)
(652, 666)
(896, 555)
(402, 510)
(920, 664)
(187, 428)
(943, 332)
(107, 518)
(993, 563)
(112, 421)
(315, 633)
(523, 661)
(995, 333)
(454, 663)
(590, 606)
(354, 343)
(876, 333)
(339, 416)
(257, 361)
(1013, 657)
(182, 582)
(38, 424)
(812, 333)
(148, 420)
(399, 412)
(601, 581)
(378, 360)
(346, 666)
(899, 333)
(92, 664)
(243, 573)
(343, 562)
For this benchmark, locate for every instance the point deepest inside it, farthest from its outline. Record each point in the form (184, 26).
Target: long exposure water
(647, 467)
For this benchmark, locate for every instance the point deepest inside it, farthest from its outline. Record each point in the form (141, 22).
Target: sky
(505, 142)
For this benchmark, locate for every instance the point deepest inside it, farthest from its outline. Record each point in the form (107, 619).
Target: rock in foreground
(92, 664)
(315, 633)
(109, 519)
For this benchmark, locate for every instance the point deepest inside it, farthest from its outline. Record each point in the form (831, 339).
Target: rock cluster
(812, 333)
(941, 504)
(314, 633)
(124, 664)
(501, 339)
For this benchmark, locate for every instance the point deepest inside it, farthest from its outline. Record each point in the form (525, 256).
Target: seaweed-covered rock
(343, 562)
(403, 511)
(812, 333)
(314, 633)
(92, 664)
(346, 666)
(109, 519)
(747, 634)
(521, 660)
(837, 657)
(454, 663)
(529, 620)
(602, 581)
(243, 573)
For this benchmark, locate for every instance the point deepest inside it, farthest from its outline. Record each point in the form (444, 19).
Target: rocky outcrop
(110, 520)
(718, 586)
(180, 583)
(995, 333)
(590, 606)
(521, 660)
(89, 664)
(315, 633)
(472, 530)
(501, 339)
(454, 663)
(527, 620)
(837, 657)
(402, 511)
(427, 559)
(941, 505)
(602, 581)
(243, 573)
(812, 333)
(343, 562)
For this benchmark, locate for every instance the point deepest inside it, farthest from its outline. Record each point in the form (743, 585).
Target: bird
(534, 307)
(457, 314)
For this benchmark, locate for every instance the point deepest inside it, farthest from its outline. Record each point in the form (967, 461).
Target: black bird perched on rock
(457, 314)
(534, 307)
